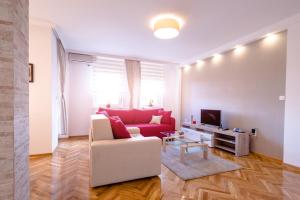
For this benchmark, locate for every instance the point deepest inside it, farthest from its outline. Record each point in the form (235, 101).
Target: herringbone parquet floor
(65, 175)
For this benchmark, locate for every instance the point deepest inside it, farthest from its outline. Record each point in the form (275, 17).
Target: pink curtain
(133, 70)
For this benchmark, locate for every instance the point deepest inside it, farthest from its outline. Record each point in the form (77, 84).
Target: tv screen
(211, 117)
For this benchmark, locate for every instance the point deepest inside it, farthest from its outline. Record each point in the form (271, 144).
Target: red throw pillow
(118, 128)
(166, 116)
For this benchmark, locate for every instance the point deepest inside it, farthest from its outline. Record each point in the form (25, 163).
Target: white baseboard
(63, 136)
(78, 134)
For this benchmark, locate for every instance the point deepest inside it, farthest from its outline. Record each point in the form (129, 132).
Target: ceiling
(121, 27)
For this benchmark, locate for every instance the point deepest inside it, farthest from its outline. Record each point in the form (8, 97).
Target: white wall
(246, 87)
(54, 92)
(80, 99)
(80, 103)
(43, 132)
(292, 104)
(67, 94)
(172, 97)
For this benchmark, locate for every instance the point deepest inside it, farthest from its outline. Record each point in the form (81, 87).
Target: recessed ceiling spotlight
(200, 63)
(166, 26)
(239, 49)
(216, 58)
(269, 35)
(186, 67)
(271, 38)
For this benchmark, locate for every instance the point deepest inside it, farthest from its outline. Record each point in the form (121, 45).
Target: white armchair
(118, 160)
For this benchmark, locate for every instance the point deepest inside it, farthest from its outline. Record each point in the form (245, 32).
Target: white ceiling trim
(47, 24)
(41, 22)
(277, 27)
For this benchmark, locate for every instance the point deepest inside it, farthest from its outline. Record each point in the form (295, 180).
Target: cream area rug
(194, 165)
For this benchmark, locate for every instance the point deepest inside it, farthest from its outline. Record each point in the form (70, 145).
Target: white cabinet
(237, 143)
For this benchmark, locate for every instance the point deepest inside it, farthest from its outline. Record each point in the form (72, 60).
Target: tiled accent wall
(14, 179)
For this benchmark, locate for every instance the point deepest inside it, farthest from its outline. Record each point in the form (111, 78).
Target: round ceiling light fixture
(166, 26)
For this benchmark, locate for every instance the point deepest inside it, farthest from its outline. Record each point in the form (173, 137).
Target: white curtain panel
(133, 70)
(61, 56)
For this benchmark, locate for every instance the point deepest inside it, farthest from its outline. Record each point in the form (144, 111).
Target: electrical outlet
(254, 132)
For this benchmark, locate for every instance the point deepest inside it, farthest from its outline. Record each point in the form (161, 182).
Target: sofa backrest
(132, 116)
(144, 116)
(127, 116)
(101, 128)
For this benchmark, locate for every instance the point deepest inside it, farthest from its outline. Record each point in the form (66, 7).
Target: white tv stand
(237, 143)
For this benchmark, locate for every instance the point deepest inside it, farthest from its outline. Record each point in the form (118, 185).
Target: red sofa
(141, 118)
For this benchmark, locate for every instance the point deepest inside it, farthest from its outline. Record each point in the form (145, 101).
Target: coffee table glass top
(168, 133)
(181, 138)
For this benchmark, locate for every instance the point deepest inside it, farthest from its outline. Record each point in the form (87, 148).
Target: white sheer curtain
(133, 70)
(109, 82)
(61, 56)
(152, 84)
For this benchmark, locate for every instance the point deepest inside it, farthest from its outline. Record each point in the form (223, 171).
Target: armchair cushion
(118, 128)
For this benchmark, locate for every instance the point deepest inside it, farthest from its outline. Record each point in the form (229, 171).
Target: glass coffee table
(179, 138)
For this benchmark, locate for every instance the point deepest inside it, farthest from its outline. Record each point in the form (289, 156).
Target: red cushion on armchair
(118, 128)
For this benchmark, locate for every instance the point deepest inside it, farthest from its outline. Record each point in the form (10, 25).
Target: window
(152, 84)
(109, 83)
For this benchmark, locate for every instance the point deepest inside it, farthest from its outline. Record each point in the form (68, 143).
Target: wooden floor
(65, 175)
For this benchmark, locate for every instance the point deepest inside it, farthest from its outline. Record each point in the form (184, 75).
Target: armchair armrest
(113, 161)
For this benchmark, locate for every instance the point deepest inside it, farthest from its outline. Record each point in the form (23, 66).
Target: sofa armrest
(173, 123)
(113, 161)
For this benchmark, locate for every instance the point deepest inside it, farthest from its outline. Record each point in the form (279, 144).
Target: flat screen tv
(211, 117)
